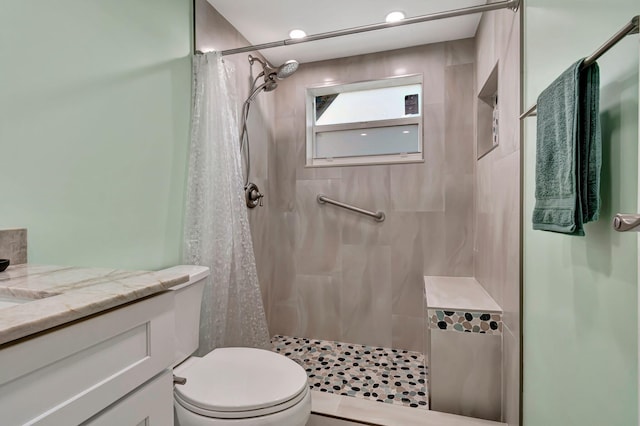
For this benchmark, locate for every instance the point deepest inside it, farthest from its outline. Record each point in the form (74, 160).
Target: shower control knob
(253, 195)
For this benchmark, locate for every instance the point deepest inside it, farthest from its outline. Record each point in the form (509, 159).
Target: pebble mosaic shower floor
(386, 375)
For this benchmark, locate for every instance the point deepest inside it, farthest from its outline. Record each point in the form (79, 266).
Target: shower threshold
(386, 375)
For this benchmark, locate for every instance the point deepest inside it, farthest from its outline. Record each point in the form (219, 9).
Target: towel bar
(632, 27)
(626, 222)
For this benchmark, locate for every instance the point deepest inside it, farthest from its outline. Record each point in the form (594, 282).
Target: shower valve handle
(253, 196)
(257, 196)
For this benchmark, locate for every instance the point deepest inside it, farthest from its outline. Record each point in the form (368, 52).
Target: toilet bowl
(242, 386)
(231, 386)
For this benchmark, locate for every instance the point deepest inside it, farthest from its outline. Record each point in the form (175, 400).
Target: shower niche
(487, 115)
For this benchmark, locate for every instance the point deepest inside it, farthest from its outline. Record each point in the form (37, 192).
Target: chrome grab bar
(626, 222)
(378, 216)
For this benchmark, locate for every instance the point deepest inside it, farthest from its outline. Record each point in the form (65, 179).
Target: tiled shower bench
(464, 335)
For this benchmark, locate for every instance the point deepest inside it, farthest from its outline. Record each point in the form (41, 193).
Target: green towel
(568, 152)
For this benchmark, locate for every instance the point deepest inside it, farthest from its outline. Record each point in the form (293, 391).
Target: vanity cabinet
(151, 404)
(112, 368)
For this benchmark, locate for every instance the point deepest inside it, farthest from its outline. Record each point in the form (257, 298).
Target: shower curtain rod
(509, 4)
(632, 27)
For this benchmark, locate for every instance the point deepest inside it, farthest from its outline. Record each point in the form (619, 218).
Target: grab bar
(378, 216)
(626, 222)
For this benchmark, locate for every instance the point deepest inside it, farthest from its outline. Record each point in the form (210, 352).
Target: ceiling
(271, 20)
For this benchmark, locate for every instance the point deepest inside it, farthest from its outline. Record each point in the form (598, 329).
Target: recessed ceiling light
(297, 34)
(394, 17)
(363, 134)
(405, 131)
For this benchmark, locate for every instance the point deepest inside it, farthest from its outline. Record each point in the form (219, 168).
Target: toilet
(231, 386)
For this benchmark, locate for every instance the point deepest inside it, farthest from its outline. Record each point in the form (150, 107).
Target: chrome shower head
(286, 69)
(269, 71)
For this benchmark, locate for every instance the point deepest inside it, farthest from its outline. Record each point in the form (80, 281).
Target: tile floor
(386, 375)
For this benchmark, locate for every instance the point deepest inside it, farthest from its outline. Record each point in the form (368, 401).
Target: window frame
(312, 129)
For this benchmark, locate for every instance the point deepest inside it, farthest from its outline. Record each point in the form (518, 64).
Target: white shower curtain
(217, 231)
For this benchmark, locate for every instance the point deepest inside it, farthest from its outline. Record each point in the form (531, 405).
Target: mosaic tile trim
(466, 322)
(387, 375)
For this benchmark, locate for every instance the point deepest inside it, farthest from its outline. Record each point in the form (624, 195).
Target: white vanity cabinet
(112, 368)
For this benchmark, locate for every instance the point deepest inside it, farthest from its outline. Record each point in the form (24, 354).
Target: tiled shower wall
(497, 258)
(342, 276)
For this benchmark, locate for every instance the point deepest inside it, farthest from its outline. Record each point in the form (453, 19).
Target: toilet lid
(241, 382)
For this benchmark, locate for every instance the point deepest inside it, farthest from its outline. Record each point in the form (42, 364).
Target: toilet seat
(235, 383)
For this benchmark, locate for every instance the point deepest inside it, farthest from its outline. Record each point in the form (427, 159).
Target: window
(367, 122)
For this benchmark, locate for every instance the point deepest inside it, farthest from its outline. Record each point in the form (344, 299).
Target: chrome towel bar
(378, 216)
(626, 222)
(632, 27)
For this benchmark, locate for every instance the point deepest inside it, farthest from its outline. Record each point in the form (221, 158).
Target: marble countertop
(458, 293)
(34, 298)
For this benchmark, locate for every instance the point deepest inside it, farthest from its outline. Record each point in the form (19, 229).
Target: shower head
(281, 72)
(286, 69)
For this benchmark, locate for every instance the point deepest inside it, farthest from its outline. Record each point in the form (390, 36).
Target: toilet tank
(188, 298)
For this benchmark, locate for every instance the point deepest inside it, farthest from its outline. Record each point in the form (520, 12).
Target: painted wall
(94, 129)
(580, 294)
(342, 276)
(497, 244)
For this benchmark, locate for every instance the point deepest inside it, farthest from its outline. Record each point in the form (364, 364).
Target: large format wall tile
(507, 253)
(459, 120)
(428, 60)
(368, 188)
(434, 240)
(365, 306)
(407, 263)
(259, 221)
(408, 333)
(317, 229)
(284, 318)
(426, 180)
(320, 313)
(510, 378)
(460, 52)
(459, 224)
(283, 165)
(485, 48)
(433, 137)
(509, 86)
(465, 374)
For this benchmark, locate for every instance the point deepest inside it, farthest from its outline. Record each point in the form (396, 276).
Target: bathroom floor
(385, 375)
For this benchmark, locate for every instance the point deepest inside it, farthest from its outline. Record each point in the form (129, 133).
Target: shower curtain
(217, 231)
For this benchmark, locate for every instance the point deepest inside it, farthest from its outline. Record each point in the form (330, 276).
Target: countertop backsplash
(13, 245)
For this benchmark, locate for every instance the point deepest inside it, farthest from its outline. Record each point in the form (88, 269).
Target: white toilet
(231, 386)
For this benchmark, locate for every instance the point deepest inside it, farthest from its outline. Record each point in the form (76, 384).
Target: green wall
(94, 128)
(580, 294)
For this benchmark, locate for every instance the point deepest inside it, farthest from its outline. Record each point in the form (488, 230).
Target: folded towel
(568, 152)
